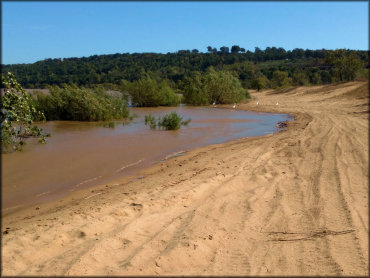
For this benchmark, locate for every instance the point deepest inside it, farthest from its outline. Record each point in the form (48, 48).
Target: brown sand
(293, 203)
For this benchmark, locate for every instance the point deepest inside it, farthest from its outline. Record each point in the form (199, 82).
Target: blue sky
(33, 31)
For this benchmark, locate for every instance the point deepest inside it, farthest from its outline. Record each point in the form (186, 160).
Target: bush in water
(81, 104)
(170, 121)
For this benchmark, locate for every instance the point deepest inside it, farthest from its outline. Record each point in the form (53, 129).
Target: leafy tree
(193, 91)
(17, 116)
(222, 87)
(315, 78)
(224, 49)
(235, 49)
(149, 92)
(347, 64)
(300, 78)
(325, 77)
(260, 82)
(280, 79)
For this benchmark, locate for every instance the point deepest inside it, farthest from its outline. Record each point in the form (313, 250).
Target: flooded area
(83, 154)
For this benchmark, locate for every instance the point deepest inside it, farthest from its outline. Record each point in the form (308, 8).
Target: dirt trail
(293, 203)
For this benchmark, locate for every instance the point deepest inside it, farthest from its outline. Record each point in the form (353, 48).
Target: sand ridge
(292, 203)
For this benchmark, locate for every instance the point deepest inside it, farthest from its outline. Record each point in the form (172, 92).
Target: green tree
(149, 92)
(315, 78)
(193, 91)
(280, 79)
(222, 87)
(300, 78)
(17, 116)
(346, 63)
(224, 49)
(235, 49)
(260, 82)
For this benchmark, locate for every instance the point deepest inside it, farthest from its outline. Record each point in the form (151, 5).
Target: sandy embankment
(293, 203)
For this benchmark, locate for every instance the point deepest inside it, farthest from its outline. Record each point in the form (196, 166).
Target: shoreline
(5, 212)
(289, 203)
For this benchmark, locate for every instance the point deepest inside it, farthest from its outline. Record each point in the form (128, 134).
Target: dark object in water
(281, 125)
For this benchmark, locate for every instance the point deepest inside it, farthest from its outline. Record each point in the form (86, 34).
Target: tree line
(254, 69)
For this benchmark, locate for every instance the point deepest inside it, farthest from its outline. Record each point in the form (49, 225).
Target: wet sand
(292, 203)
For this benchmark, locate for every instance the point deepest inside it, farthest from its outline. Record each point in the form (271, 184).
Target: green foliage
(300, 78)
(222, 87)
(346, 64)
(315, 78)
(81, 104)
(112, 69)
(215, 86)
(261, 82)
(17, 116)
(149, 92)
(151, 121)
(363, 74)
(280, 79)
(193, 92)
(170, 121)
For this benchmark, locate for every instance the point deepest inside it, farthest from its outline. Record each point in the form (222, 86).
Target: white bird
(277, 103)
(214, 103)
(234, 105)
(257, 102)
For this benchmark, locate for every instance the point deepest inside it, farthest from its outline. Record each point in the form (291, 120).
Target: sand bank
(292, 203)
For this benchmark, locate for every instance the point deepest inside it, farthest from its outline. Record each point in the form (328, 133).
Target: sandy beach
(291, 203)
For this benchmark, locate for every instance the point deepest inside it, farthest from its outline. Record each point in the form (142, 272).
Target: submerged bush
(170, 121)
(109, 125)
(150, 120)
(81, 104)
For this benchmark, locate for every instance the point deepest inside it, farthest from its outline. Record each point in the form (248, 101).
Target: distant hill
(112, 69)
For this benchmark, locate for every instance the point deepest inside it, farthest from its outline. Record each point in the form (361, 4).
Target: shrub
(17, 115)
(81, 104)
(215, 86)
(170, 121)
(193, 92)
(261, 82)
(150, 120)
(147, 92)
(222, 87)
(280, 79)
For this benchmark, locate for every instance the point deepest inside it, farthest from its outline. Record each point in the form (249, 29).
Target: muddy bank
(293, 203)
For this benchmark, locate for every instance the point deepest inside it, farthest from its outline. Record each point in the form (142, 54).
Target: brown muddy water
(83, 154)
